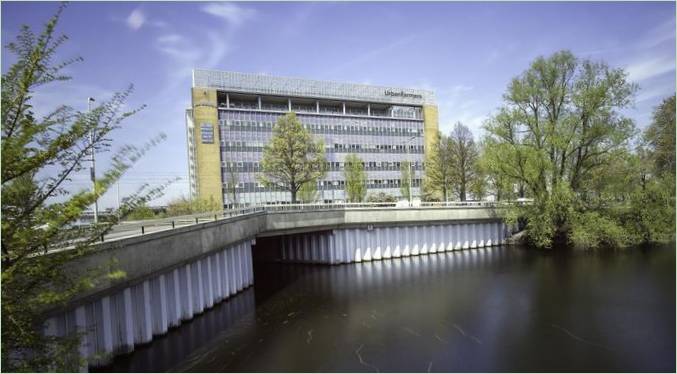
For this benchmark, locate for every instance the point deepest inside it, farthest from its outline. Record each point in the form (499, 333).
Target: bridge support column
(116, 322)
(376, 243)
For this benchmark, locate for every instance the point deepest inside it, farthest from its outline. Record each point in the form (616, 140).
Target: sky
(467, 53)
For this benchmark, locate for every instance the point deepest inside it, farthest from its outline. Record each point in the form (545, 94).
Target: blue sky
(466, 52)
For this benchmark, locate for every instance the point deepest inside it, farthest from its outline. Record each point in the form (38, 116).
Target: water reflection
(164, 353)
(487, 309)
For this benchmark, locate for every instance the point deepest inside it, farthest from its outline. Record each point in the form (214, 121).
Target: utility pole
(92, 171)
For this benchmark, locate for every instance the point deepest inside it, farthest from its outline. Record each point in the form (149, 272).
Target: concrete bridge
(175, 274)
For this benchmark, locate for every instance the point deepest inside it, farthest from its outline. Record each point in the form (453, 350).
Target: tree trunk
(462, 193)
(293, 196)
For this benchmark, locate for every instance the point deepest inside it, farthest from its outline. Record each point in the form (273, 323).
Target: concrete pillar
(218, 277)
(227, 100)
(258, 100)
(107, 313)
(368, 109)
(344, 107)
(198, 287)
(186, 293)
(289, 104)
(317, 106)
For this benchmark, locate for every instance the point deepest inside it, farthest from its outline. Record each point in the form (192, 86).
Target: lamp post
(92, 171)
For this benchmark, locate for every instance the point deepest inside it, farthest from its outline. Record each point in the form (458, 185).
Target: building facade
(233, 114)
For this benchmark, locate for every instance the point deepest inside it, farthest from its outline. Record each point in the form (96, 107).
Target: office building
(233, 114)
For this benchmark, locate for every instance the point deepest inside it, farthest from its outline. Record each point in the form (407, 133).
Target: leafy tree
(651, 214)
(292, 157)
(463, 155)
(141, 212)
(39, 155)
(651, 217)
(231, 182)
(438, 171)
(381, 197)
(660, 135)
(183, 206)
(356, 178)
(498, 184)
(308, 192)
(405, 179)
(478, 185)
(559, 127)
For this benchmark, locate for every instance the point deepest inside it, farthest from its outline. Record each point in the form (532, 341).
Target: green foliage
(381, 197)
(661, 136)
(356, 179)
(38, 156)
(292, 157)
(547, 218)
(308, 192)
(183, 206)
(478, 184)
(405, 179)
(463, 155)
(438, 173)
(557, 134)
(140, 213)
(651, 217)
(594, 230)
(489, 181)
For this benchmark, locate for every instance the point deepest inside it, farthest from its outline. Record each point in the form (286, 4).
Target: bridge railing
(134, 228)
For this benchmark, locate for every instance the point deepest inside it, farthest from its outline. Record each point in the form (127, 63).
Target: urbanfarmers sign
(402, 94)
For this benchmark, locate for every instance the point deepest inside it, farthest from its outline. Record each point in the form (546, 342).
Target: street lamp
(92, 171)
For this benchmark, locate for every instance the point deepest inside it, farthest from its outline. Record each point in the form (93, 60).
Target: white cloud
(136, 19)
(233, 14)
(369, 55)
(649, 68)
(658, 35)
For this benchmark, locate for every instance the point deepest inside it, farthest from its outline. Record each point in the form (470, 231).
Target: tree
(141, 212)
(559, 127)
(498, 184)
(356, 179)
(308, 192)
(405, 179)
(463, 154)
(381, 197)
(478, 185)
(438, 171)
(292, 157)
(651, 216)
(183, 206)
(660, 136)
(231, 182)
(39, 155)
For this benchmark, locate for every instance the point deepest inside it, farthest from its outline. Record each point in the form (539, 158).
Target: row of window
(250, 167)
(326, 129)
(322, 185)
(337, 148)
(394, 111)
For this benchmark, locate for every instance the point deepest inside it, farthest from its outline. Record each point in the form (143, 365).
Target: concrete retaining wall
(383, 242)
(173, 275)
(115, 323)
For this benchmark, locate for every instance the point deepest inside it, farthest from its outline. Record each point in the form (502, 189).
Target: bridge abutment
(115, 323)
(372, 243)
(173, 275)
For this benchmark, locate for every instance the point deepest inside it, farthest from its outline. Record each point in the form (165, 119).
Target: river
(491, 309)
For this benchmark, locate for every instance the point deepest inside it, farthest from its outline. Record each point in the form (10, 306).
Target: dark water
(495, 309)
